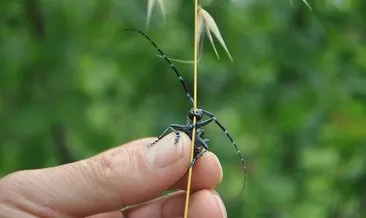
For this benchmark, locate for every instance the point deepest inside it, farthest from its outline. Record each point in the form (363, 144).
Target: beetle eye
(198, 117)
(191, 116)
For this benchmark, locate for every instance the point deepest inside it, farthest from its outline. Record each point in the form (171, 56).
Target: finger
(114, 214)
(119, 177)
(203, 203)
(206, 174)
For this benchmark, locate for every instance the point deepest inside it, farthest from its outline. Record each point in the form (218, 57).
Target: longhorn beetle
(201, 144)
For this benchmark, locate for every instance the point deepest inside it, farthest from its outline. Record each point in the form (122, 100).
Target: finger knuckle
(116, 165)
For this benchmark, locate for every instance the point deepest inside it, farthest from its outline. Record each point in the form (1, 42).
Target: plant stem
(194, 108)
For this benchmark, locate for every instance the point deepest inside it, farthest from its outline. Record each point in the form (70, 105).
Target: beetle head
(198, 114)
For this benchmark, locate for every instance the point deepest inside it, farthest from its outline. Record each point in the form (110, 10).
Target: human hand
(123, 176)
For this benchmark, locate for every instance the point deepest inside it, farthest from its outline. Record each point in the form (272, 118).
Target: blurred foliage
(72, 85)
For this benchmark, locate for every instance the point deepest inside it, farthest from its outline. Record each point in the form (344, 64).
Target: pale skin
(128, 177)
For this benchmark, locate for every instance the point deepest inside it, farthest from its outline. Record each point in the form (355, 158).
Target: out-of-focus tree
(72, 85)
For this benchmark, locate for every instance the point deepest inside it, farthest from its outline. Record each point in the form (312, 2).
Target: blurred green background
(73, 85)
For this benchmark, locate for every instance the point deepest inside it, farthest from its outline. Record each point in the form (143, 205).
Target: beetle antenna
(189, 97)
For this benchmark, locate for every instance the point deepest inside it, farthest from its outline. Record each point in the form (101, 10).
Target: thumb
(116, 178)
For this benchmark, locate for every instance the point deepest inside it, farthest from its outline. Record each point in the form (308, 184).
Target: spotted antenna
(189, 97)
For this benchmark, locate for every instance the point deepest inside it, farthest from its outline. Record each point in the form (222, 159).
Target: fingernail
(220, 203)
(165, 151)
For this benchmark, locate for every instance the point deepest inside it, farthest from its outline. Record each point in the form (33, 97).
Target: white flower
(150, 6)
(305, 2)
(207, 24)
